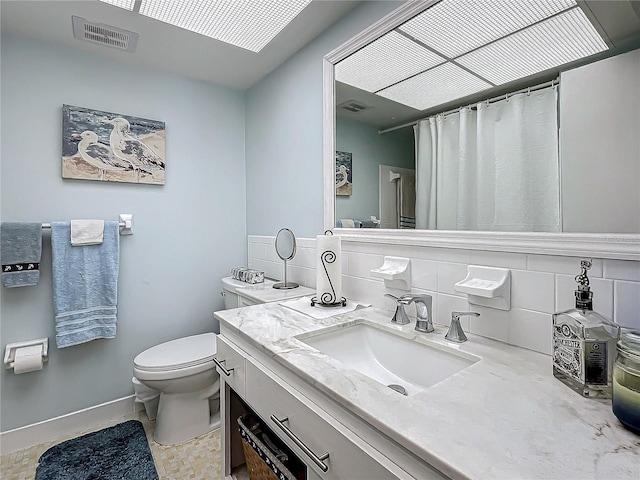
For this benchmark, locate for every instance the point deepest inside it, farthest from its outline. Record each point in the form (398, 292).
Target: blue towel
(20, 249)
(85, 285)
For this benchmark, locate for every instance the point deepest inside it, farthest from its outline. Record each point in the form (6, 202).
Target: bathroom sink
(389, 358)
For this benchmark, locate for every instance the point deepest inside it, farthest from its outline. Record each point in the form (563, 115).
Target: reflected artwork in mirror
(464, 121)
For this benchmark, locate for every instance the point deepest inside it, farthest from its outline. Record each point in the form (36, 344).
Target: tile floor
(198, 459)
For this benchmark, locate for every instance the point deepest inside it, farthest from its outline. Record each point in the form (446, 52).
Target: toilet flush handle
(219, 364)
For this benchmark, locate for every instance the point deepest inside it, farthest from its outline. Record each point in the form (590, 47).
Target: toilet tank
(229, 293)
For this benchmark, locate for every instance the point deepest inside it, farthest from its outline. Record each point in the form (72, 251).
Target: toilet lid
(180, 353)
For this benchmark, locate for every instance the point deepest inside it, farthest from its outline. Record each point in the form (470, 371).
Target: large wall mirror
(503, 125)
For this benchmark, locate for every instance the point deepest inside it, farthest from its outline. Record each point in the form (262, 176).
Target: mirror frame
(619, 246)
(283, 231)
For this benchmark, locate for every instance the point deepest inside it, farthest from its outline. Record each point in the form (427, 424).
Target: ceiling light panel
(126, 4)
(440, 85)
(246, 24)
(454, 27)
(551, 43)
(389, 59)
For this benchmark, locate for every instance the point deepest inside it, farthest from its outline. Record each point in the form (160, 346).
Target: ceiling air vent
(104, 34)
(353, 106)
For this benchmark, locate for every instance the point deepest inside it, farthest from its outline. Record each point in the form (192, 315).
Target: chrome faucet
(455, 333)
(424, 318)
(400, 317)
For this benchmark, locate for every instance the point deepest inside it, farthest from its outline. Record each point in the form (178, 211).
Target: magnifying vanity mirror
(286, 249)
(393, 90)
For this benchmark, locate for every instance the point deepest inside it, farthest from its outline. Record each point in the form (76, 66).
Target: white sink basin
(390, 358)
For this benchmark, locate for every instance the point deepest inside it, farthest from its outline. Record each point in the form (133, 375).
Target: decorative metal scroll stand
(328, 299)
(341, 303)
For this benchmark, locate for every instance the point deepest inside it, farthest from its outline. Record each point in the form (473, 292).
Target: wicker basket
(262, 464)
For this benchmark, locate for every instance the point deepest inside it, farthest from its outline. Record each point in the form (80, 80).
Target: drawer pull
(318, 460)
(219, 364)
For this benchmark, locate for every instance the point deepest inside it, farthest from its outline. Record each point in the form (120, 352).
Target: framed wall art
(112, 147)
(344, 181)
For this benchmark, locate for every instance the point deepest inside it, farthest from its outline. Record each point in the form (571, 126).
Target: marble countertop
(504, 417)
(264, 292)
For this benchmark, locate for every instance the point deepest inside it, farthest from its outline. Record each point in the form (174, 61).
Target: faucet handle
(400, 317)
(403, 300)
(455, 333)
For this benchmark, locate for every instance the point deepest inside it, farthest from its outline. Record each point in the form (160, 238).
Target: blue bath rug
(120, 452)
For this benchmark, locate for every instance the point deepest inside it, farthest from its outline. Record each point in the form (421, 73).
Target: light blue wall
(188, 233)
(284, 133)
(369, 150)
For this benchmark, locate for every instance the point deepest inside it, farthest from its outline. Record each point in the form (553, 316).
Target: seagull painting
(343, 173)
(341, 176)
(99, 155)
(122, 148)
(129, 149)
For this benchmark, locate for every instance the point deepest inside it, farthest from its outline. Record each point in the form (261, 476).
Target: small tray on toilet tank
(247, 275)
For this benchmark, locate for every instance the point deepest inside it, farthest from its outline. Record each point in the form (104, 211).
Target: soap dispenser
(584, 344)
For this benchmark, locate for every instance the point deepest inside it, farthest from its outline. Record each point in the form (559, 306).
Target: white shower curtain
(493, 168)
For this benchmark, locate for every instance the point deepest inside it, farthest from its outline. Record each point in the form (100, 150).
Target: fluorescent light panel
(454, 27)
(554, 42)
(442, 84)
(389, 59)
(126, 4)
(246, 24)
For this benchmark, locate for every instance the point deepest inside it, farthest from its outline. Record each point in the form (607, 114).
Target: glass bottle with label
(584, 344)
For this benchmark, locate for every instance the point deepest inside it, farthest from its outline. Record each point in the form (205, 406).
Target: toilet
(183, 372)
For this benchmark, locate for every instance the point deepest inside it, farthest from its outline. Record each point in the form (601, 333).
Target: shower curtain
(493, 167)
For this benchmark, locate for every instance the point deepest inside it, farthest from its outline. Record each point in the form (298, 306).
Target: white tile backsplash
(627, 304)
(533, 290)
(622, 270)
(491, 323)
(304, 257)
(364, 290)
(448, 275)
(540, 285)
(424, 274)
(530, 330)
(360, 265)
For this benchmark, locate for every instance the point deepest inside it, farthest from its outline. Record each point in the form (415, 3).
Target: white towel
(86, 232)
(303, 305)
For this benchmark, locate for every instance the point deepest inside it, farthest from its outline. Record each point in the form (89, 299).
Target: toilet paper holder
(11, 348)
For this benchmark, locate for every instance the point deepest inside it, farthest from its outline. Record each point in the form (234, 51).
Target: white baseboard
(65, 425)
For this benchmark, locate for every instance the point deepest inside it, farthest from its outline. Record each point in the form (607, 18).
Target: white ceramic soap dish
(487, 286)
(396, 273)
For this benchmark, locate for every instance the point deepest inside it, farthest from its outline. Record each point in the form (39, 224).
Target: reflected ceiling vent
(104, 34)
(353, 106)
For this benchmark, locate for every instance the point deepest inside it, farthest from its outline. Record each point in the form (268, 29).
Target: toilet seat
(181, 357)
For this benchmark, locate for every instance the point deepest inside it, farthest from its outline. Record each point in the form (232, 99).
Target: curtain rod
(551, 83)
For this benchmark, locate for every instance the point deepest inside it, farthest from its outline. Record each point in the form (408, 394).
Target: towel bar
(126, 224)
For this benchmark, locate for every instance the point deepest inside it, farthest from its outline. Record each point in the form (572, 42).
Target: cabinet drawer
(316, 436)
(230, 365)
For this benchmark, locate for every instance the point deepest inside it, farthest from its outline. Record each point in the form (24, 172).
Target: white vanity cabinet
(331, 449)
(230, 364)
(328, 448)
